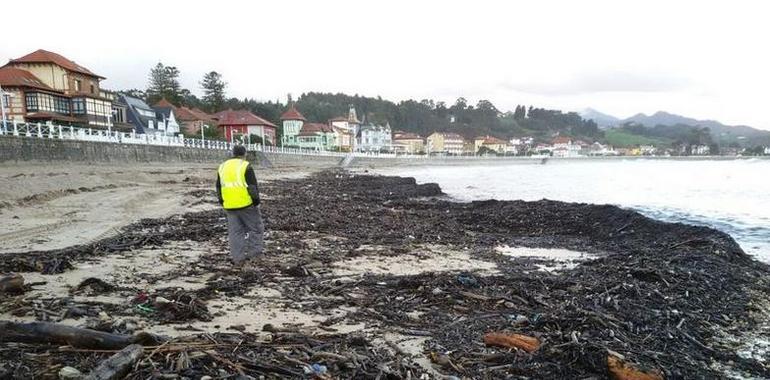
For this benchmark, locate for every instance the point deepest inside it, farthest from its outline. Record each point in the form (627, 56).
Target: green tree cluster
(163, 83)
(213, 91)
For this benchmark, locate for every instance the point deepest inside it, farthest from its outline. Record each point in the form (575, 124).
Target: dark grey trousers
(245, 230)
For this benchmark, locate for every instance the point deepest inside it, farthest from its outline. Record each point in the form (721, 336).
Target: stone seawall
(284, 160)
(19, 149)
(24, 149)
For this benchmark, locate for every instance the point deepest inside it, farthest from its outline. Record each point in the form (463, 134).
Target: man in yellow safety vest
(239, 195)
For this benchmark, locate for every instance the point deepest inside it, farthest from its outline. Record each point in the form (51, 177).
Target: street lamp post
(109, 123)
(2, 107)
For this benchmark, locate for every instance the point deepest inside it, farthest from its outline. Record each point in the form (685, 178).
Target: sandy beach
(369, 275)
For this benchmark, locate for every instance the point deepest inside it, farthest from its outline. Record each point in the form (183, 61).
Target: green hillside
(620, 138)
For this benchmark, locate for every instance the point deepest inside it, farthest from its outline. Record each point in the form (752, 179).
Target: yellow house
(490, 142)
(442, 142)
(411, 143)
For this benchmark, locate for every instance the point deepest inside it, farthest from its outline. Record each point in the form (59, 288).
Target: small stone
(437, 291)
(519, 320)
(161, 300)
(206, 377)
(69, 373)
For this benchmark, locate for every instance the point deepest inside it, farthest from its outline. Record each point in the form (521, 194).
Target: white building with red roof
(564, 147)
(347, 129)
(291, 122)
(191, 120)
(240, 125)
(317, 136)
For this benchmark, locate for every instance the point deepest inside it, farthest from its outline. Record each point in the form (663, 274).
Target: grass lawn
(624, 139)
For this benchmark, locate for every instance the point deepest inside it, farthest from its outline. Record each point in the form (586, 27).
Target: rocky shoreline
(660, 297)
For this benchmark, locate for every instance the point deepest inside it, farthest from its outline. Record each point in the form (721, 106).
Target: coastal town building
(291, 123)
(45, 86)
(469, 148)
(167, 120)
(490, 143)
(139, 115)
(408, 143)
(647, 150)
(519, 141)
(317, 136)
(564, 147)
(700, 150)
(519, 146)
(190, 120)
(242, 125)
(16, 83)
(119, 113)
(445, 143)
(374, 138)
(346, 129)
(599, 149)
(494, 144)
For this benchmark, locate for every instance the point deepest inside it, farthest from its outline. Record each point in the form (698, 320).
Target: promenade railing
(61, 132)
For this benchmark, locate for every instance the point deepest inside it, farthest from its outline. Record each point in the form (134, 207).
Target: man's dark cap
(239, 151)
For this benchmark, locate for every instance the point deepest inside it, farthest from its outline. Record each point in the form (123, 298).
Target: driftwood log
(620, 370)
(524, 342)
(11, 283)
(117, 366)
(44, 332)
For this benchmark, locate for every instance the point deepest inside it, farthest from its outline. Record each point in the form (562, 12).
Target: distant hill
(603, 120)
(722, 134)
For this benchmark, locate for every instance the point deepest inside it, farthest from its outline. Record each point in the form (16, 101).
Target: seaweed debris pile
(399, 282)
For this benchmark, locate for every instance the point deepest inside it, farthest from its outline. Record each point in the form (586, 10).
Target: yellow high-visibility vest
(232, 178)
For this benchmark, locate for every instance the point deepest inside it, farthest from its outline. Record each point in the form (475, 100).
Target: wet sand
(47, 206)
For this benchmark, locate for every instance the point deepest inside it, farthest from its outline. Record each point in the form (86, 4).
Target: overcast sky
(708, 61)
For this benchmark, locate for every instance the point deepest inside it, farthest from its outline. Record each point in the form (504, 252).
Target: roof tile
(44, 56)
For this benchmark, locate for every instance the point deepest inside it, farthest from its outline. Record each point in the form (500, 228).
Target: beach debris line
(657, 306)
(224, 355)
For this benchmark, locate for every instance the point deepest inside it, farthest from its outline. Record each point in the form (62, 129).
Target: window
(97, 110)
(92, 89)
(61, 105)
(78, 85)
(7, 100)
(78, 106)
(117, 113)
(31, 100)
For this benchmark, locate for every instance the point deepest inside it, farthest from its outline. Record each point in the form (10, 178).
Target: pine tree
(164, 83)
(213, 91)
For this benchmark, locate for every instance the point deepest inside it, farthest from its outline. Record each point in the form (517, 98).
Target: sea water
(730, 195)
